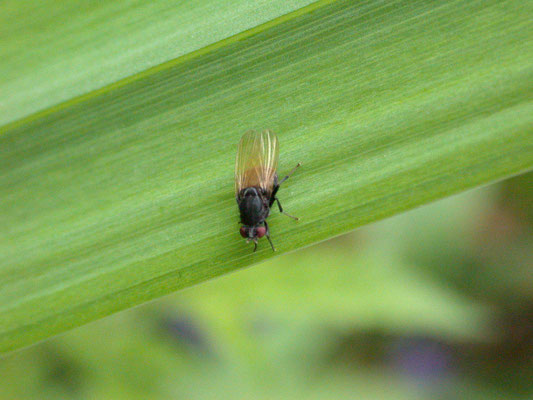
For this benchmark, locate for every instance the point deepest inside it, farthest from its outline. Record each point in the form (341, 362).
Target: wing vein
(257, 161)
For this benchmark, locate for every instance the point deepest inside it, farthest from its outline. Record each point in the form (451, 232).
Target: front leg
(268, 236)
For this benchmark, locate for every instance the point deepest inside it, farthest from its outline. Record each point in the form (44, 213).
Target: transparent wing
(257, 161)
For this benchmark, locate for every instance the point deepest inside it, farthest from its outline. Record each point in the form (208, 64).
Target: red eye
(244, 234)
(260, 231)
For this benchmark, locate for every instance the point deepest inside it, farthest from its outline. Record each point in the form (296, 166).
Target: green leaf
(54, 51)
(126, 193)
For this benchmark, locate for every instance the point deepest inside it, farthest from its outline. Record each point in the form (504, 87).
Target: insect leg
(278, 184)
(255, 246)
(283, 212)
(268, 236)
(290, 173)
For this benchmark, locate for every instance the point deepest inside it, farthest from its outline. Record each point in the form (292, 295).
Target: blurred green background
(436, 303)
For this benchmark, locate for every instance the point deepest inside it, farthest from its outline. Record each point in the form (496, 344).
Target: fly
(256, 183)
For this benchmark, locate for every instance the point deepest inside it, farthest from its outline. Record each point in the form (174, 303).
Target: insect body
(256, 183)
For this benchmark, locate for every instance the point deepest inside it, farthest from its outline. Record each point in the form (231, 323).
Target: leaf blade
(126, 194)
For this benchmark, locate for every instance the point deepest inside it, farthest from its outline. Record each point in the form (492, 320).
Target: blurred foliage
(434, 304)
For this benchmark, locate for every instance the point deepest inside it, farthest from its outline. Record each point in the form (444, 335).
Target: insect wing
(257, 161)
